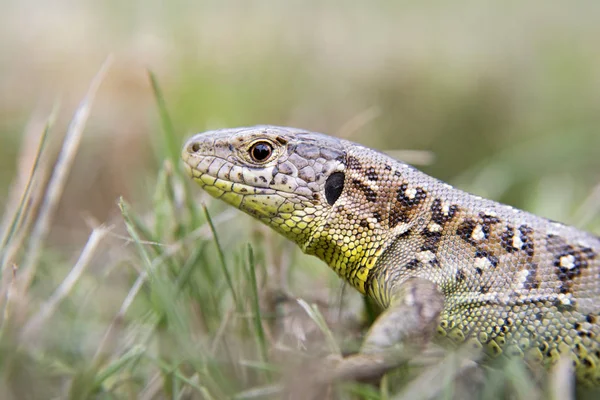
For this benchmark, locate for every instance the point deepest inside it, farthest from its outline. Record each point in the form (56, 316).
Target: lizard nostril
(195, 147)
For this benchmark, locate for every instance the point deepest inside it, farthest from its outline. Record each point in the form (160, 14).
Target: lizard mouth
(211, 171)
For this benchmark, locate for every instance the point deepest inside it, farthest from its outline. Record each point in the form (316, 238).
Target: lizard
(441, 262)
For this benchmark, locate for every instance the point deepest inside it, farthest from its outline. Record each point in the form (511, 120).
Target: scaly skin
(441, 261)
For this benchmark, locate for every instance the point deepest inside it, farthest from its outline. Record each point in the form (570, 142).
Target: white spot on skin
(567, 261)
(425, 256)
(491, 213)
(478, 233)
(517, 242)
(411, 193)
(445, 208)
(401, 228)
(433, 227)
(482, 263)
(522, 276)
(565, 299)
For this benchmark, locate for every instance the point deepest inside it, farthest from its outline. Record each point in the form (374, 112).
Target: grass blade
(59, 177)
(221, 255)
(260, 333)
(171, 149)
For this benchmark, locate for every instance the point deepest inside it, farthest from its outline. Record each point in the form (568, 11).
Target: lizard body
(509, 282)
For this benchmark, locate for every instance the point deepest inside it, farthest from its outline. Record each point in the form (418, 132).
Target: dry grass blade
(314, 314)
(59, 177)
(18, 215)
(414, 157)
(20, 190)
(589, 209)
(37, 322)
(562, 384)
(357, 122)
(433, 381)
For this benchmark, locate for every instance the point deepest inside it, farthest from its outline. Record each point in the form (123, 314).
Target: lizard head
(330, 196)
(287, 178)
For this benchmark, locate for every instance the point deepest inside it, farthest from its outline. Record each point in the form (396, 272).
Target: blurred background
(505, 94)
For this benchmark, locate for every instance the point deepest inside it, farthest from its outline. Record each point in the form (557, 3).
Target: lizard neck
(352, 255)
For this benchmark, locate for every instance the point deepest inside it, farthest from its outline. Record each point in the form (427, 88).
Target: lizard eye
(261, 151)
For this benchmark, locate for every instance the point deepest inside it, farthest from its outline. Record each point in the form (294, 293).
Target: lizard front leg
(399, 333)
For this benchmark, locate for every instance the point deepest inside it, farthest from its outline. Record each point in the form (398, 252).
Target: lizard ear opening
(334, 185)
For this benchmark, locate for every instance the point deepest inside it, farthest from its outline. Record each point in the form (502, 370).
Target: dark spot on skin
(580, 260)
(590, 318)
(460, 275)
(526, 233)
(377, 216)
(230, 147)
(531, 282)
(565, 287)
(402, 210)
(284, 180)
(405, 201)
(372, 174)
(334, 185)
(488, 219)
(438, 216)
(479, 271)
(364, 223)
(404, 234)
(412, 264)
(506, 239)
(431, 240)
(387, 167)
(368, 192)
(243, 190)
(482, 253)
(396, 216)
(281, 140)
(539, 316)
(361, 270)
(465, 230)
(353, 163)
(262, 178)
(397, 173)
